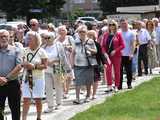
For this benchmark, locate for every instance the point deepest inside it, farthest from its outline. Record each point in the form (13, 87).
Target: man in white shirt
(34, 26)
(127, 53)
(143, 38)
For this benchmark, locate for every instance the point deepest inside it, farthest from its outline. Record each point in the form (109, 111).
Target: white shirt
(52, 55)
(143, 36)
(41, 54)
(128, 38)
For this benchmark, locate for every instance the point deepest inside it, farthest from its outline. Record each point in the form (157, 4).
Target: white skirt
(38, 90)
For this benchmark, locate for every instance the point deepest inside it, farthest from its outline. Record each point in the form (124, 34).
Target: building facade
(145, 8)
(90, 7)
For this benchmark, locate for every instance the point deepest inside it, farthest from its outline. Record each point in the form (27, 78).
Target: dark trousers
(143, 56)
(12, 91)
(127, 64)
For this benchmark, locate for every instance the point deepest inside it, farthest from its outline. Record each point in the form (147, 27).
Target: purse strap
(33, 55)
(89, 63)
(69, 40)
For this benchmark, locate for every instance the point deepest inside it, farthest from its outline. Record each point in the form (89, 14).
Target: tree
(77, 12)
(109, 6)
(31, 8)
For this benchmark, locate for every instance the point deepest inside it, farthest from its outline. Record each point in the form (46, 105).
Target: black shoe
(119, 88)
(130, 87)
(76, 102)
(146, 72)
(139, 75)
(109, 90)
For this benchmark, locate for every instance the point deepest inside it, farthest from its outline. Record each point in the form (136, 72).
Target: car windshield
(87, 19)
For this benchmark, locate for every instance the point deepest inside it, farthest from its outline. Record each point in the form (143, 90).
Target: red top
(118, 43)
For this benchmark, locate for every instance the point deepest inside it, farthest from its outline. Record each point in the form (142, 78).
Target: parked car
(10, 25)
(87, 19)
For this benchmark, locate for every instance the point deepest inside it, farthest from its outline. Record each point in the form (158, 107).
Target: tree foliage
(14, 8)
(108, 6)
(77, 12)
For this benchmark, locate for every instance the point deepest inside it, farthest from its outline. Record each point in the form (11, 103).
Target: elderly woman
(112, 45)
(44, 35)
(12, 40)
(20, 33)
(33, 86)
(152, 57)
(56, 55)
(68, 43)
(83, 62)
(99, 57)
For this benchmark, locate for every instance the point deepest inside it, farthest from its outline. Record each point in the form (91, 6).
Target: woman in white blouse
(68, 43)
(56, 55)
(33, 86)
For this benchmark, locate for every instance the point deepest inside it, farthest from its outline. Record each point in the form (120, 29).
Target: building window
(79, 1)
(94, 1)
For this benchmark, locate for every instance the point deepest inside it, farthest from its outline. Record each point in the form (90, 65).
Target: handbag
(91, 59)
(58, 70)
(29, 75)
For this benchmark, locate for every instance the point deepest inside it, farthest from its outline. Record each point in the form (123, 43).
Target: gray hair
(62, 27)
(52, 36)
(155, 19)
(37, 36)
(82, 27)
(4, 31)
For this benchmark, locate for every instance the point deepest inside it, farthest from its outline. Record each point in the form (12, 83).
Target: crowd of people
(41, 61)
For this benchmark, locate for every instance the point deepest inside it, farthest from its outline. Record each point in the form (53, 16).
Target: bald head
(34, 24)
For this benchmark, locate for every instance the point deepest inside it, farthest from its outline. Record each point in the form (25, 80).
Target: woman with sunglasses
(83, 62)
(56, 55)
(112, 45)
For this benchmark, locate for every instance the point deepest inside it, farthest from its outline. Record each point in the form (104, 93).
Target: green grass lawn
(142, 103)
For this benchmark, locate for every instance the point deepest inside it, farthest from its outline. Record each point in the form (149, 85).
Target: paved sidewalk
(68, 110)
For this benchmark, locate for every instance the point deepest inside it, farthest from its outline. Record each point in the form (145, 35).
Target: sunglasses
(112, 25)
(33, 24)
(47, 38)
(82, 31)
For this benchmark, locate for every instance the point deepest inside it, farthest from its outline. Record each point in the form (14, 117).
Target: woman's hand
(28, 65)
(52, 62)
(107, 58)
(113, 53)
(105, 65)
(3, 81)
(69, 48)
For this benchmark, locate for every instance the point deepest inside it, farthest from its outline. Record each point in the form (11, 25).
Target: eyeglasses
(112, 25)
(3, 36)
